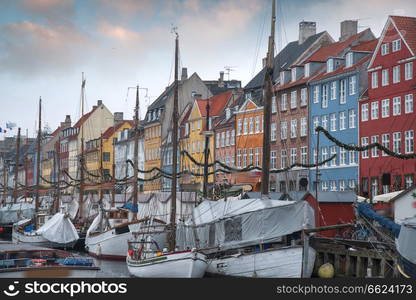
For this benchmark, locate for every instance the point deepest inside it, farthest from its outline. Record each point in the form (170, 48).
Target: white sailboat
(146, 257)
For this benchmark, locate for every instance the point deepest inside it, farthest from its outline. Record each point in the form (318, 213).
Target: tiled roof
(217, 104)
(407, 27)
(85, 117)
(286, 57)
(57, 130)
(109, 132)
(366, 46)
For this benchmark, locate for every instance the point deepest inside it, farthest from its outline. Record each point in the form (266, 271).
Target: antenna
(174, 29)
(228, 70)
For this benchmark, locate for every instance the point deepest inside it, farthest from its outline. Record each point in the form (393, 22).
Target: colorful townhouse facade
(334, 94)
(387, 112)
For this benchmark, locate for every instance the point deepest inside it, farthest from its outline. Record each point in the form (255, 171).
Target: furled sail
(59, 229)
(15, 212)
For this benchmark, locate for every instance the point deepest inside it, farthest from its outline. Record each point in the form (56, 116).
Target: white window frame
(304, 155)
(325, 96)
(374, 151)
(374, 110)
(293, 155)
(396, 45)
(293, 128)
(293, 100)
(283, 130)
(334, 151)
(342, 157)
(333, 90)
(257, 124)
(364, 112)
(349, 59)
(364, 142)
(353, 85)
(397, 106)
(283, 159)
(343, 91)
(283, 103)
(273, 132)
(352, 118)
(385, 49)
(385, 77)
(303, 126)
(397, 141)
(239, 126)
(342, 120)
(408, 71)
(333, 122)
(304, 97)
(396, 74)
(330, 65)
(324, 121)
(316, 94)
(385, 108)
(274, 107)
(408, 103)
(385, 141)
(315, 123)
(409, 141)
(374, 80)
(307, 70)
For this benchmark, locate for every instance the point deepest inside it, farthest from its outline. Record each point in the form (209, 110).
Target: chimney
(67, 122)
(184, 75)
(118, 118)
(221, 79)
(348, 29)
(99, 102)
(306, 29)
(264, 62)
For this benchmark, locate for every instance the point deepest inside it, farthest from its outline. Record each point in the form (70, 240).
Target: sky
(45, 45)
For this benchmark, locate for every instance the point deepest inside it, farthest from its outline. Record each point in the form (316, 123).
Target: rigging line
(258, 43)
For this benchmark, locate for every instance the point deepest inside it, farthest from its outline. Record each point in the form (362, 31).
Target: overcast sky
(45, 45)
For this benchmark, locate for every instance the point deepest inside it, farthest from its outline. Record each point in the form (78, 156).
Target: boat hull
(50, 272)
(108, 245)
(175, 265)
(271, 263)
(38, 240)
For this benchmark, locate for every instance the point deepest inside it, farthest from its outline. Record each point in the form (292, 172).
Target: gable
(248, 105)
(195, 113)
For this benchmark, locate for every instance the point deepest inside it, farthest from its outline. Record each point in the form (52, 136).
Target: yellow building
(152, 146)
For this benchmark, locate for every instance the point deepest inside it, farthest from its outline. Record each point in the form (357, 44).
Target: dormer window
(330, 65)
(293, 74)
(384, 49)
(349, 60)
(282, 77)
(227, 113)
(396, 45)
(307, 70)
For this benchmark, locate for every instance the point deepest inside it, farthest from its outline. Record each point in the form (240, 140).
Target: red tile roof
(366, 46)
(57, 130)
(84, 117)
(217, 103)
(109, 132)
(407, 27)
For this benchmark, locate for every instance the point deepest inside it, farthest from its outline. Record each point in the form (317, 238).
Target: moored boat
(406, 248)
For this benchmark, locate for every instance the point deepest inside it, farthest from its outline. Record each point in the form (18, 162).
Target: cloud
(119, 32)
(46, 5)
(128, 7)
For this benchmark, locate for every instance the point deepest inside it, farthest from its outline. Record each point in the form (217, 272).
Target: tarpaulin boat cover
(366, 210)
(59, 229)
(406, 242)
(12, 213)
(237, 223)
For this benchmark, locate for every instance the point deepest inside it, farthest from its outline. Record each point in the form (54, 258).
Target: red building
(387, 112)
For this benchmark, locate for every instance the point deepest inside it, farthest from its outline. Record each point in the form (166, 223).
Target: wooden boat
(29, 261)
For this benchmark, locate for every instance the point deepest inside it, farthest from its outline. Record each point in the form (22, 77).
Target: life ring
(38, 261)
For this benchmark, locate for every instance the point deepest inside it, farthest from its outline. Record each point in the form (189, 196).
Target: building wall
(152, 146)
(373, 167)
(224, 140)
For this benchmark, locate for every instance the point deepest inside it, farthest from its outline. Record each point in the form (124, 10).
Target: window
(293, 100)
(353, 156)
(351, 184)
(342, 156)
(333, 122)
(250, 157)
(408, 71)
(324, 153)
(217, 142)
(408, 179)
(303, 127)
(239, 158)
(257, 157)
(316, 94)
(222, 139)
(232, 142)
(325, 96)
(324, 186)
(273, 132)
(374, 186)
(364, 112)
(304, 155)
(374, 110)
(325, 122)
(244, 158)
(333, 185)
(239, 126)
(315, 156)
(284, 102)
(304, 97)
(352, 118)
(307, 70)
(385, 141)
(396, 106)
(283, 159)
(374, 151)
(396, 74)
(342, 185)
(385, 77)
(250, 126)
(245, 126)
(396, 45)
(227, 138)
(283, 130)
(374, 80)
(273, 160)
(364, 142)
(353, 85)
(397, 139)
(342, 120)
(293, 155)
(333, 152)
(409, 141)
(333, 90)
(329, 65)
(274, 108)
(106, 156)
(385, 108)
(293, 74)
(408, 104)
(293, 128)
(282, 77)
(349, 60)
(315, 123)
(384, 49)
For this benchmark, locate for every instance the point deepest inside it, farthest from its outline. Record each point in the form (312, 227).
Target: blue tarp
(29, 228)
(130, 206)
(366, 210)
(75, 261)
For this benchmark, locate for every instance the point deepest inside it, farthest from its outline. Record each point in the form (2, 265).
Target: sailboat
(146, 255)
(256, 237)
(43, 229)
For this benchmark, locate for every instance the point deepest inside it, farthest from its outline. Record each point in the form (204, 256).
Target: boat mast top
(268, 94)
(38, 158)
(172, 235)
(136, 152)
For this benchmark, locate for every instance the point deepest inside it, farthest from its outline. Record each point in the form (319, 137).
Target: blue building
(334, 94)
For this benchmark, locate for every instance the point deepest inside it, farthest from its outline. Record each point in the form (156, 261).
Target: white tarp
(12, 213)
(406, 243)
(59, 229)
(236, 223)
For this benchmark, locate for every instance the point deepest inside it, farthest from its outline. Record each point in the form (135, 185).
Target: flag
(10, 125)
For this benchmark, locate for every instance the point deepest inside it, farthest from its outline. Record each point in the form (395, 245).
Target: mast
(205, 188)
(26, 163)
(16, 169)
(268, 94)
(113, 198)
(172, 236)
(58, 173)
(136, 152)
(38, 158)
(81, 159)
(4, 182)
(102, 175)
